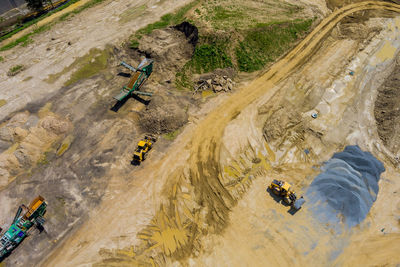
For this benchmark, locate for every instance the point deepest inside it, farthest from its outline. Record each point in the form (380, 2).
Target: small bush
(15, 70)
(134, 44)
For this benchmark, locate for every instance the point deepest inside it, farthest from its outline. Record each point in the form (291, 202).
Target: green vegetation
(90, 65)
(25, 40)
(172, 135)
(1, 59)
(266, 42)
(2, 102)
(85, 67)
(134, 44)
(81, 8)
(14, 70)
(132, 13)
(210, 56)
(260, 45)
(243, 15)
(221, 14)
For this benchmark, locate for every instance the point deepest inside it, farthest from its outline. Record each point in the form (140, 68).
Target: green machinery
(24, 220)
(141, 74)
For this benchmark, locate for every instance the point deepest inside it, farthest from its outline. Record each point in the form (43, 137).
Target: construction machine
(283, 189)
(143, 147)
(140, 75)
(24, 221)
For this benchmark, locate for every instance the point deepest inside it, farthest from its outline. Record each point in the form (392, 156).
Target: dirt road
(195, 157)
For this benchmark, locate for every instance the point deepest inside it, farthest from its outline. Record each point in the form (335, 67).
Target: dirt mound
(163, 115)
(387, 112)
(347, 187)
(171, 48)
(24, 140)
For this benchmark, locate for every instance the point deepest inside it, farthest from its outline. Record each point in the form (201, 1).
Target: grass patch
(85, 67)
(2, 102)
(1, 59)
(134, 44)
(210, 54)
(81, 8)
(14, 70)
(266, 42)
(223, 14)
(132, 13)
(172, 135)
(91, 64)
(26, 39)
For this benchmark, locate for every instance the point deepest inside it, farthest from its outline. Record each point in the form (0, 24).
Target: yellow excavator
(143, 147)
(283, 189)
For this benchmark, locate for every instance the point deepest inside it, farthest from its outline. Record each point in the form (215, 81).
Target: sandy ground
(180, 223)
(202, 200)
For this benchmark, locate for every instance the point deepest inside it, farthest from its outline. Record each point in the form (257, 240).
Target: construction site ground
(200, 197)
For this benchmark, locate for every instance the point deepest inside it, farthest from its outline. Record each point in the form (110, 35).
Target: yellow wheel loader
(283, 189)
(144, 146)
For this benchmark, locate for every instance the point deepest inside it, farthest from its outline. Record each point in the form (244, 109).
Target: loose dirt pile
(171, 48)
(24, 140)
(164, 114)
(387, 112)
(347, 188)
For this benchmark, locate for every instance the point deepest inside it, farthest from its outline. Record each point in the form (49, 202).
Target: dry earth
(201, 200)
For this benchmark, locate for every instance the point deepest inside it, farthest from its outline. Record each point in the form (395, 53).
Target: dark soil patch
(387, 111)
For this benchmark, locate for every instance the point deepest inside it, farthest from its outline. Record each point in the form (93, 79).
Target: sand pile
(347, 187)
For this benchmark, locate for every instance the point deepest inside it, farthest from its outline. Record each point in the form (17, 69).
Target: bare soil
(387, 112)
(199, 199)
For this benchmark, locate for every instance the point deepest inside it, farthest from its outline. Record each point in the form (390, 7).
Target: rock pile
(216, 83)
(347, 188)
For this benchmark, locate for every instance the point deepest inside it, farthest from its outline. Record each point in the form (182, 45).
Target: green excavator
(140, 75)
(24, 221)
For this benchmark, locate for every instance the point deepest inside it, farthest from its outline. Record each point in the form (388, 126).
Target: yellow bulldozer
(283, 189)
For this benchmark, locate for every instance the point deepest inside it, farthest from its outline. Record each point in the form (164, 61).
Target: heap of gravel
(347, 187)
